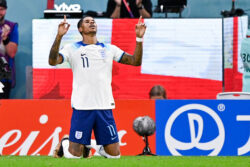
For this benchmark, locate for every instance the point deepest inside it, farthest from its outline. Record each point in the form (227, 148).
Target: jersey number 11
(85, 62)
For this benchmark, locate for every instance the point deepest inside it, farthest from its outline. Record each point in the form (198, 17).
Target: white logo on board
(216, 144)
(65, 8)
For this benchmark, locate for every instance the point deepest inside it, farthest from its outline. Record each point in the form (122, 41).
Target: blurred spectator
(8, 49)
(157, 92)
(129, 8)
(245, 56)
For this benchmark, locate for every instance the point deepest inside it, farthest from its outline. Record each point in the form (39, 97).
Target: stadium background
(23, 11)
(31, 133)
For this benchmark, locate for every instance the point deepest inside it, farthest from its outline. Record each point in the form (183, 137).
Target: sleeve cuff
(121, 57)
(62, 58)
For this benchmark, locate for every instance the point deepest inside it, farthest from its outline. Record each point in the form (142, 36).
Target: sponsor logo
(113, 138)
(78, 135)
(24, 148)
(195, 114)
(12, 138)
(246, 147)
(65, 8)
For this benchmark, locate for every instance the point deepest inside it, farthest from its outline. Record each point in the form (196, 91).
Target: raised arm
(136, 58)
(143, 12)
(54, 57)
(117, 10)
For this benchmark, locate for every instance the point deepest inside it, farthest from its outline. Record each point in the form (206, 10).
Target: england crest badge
(102, 53)
(78, 135)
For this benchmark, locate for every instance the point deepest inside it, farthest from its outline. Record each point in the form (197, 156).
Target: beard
(1, 19)
(91, 33)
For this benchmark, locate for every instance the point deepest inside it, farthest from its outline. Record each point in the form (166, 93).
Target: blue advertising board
(203, 127)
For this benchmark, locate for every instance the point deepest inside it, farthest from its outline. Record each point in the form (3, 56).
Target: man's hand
(5, 31)
(118, 2)
(54, 57)
(63, 27)
(139, 3)
(140, 28)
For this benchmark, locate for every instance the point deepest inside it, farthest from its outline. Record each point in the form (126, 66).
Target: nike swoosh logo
(113, 138)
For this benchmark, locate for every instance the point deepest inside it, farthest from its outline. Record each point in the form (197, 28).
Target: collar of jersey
(84, 44)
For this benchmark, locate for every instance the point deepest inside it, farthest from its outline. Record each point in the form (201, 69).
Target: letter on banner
(245, 148)
(55, 141)
(5, 138)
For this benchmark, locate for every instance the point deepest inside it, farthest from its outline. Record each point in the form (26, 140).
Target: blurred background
(23, 11)
(195, 57)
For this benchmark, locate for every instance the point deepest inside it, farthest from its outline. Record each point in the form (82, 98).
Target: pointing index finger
(139, 20)
(64, 18)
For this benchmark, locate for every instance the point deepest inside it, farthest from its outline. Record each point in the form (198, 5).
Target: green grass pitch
(126, 161)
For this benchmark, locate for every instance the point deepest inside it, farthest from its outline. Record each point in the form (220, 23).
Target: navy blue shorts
(101, 121)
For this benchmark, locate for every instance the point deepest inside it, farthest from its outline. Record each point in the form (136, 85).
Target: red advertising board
(34, 127)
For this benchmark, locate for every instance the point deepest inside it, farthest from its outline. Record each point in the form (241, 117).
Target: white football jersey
(92, 74)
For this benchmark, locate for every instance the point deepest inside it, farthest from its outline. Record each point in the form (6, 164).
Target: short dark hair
(157, 90)
(79, 24)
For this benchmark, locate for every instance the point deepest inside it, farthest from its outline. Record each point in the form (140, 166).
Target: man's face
(88, 26)
(2, 13)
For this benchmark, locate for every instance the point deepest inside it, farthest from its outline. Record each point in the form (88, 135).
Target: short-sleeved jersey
(245, 55)
(92, 74)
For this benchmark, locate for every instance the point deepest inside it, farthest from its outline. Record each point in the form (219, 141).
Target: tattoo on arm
(54, 57)
(135, 59)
